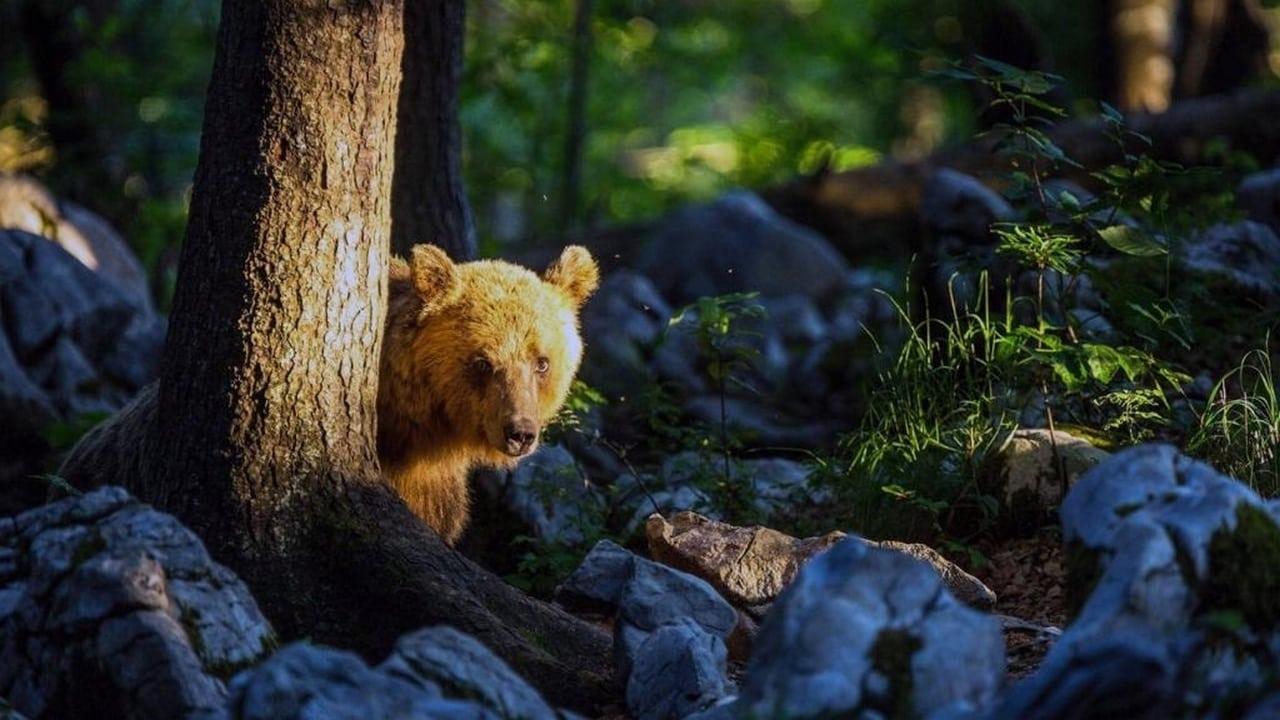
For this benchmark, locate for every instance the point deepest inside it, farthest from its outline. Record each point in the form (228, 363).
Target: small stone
(679, 670)
(463, 667)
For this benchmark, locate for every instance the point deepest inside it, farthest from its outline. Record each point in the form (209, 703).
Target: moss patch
(1244, 569)
(91, 545)
(891, 656)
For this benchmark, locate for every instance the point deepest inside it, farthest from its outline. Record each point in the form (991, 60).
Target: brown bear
(476, 358)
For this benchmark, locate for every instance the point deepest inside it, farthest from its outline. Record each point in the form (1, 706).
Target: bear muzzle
(521, 435)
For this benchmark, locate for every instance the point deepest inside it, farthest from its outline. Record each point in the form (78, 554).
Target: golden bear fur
(477, 357)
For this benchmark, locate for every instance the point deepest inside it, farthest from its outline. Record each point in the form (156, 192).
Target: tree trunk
(428, 201)
(1226, 45)
(260, 433)
(576, 126)
(56, 44)
(1141, 34)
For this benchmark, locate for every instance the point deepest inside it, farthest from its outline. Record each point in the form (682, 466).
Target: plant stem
(724, 430)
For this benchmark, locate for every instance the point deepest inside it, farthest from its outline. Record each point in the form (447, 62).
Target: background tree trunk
(260, 432)
(428, 201)
(576, 125)
(56, 43)
(1141, 35)
(1226, 44)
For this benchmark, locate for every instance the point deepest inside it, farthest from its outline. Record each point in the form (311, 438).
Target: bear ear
(435, 277)
(575, 272)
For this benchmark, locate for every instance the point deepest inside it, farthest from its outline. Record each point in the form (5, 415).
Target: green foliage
(942, 410)
(1135, 414)
(717, 326)
(143, 66)
(723, 345)
(578, 405)
(1039, 246)
(62, 435)
(687, 100)
(1239, 430)
(936, 415)
(1244, 569)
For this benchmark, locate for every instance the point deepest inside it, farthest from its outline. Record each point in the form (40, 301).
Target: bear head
(478, 356)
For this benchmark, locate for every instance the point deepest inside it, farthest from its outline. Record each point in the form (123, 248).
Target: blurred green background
(685, 99)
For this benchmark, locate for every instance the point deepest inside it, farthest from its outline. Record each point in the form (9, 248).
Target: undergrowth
(1082, 316)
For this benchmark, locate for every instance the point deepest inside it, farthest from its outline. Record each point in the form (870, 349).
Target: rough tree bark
(260, 431)
(428, 201)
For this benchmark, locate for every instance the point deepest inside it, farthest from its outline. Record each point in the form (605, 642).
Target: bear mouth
(516, 451)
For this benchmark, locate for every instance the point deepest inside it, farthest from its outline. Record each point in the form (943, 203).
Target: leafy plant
(1239, 429)
(578, 405)
(937, 414)
(723, 344)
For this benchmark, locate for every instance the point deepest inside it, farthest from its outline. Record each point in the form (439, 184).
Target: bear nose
(520, 436)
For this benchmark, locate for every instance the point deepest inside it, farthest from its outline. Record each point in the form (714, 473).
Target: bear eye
(480, 365)
(542, 366)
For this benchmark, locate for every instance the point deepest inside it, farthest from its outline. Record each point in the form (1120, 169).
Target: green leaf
(1111, 113)
(1132, 241)
(1103, 362)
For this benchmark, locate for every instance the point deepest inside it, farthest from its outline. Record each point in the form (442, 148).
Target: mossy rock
(1027, 475)
(891, 656)
(1244, 569)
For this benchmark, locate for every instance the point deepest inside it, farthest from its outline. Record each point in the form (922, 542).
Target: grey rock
(856, 620)
(646, 596)
(655, 595)
(862, 305)
(1259, 196)
(303, 681)
(27, 409)
(1146, 520)
(598, 580)
(749, 566)
(549, 492)
(957, 212)
(738, 244)
(459, 665)
(679, 669)
(776, 485)
(27, 205)
(93, 312)
(794, 318)
(624, 325)
(134, 360)
(1028, 475)
(1093, 325)
(1246, 254)
(966, 588)
(764, 424)
(1111, 679)
(106, 603)
(73, 343)
(958, 205)
(673, 488)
